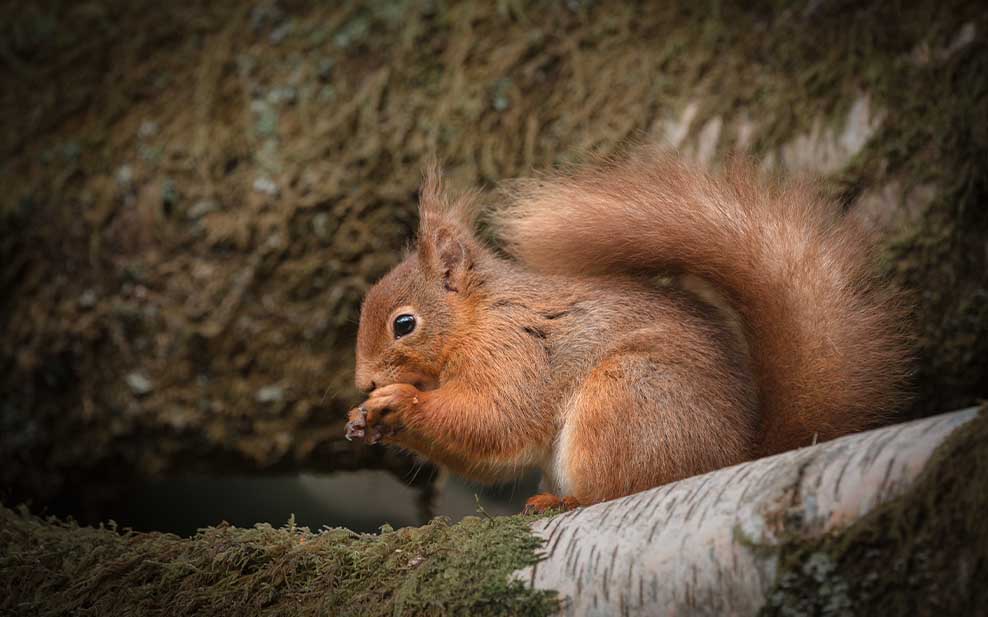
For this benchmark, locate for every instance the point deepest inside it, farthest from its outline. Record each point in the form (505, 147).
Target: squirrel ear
(444, 247)
(448, 257)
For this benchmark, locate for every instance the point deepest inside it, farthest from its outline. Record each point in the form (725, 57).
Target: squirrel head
(410, 317)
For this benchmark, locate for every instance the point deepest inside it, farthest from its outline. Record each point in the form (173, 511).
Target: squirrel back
(825, 334)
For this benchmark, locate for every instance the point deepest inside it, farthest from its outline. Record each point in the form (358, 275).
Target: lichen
(53, 567)
(923, 553)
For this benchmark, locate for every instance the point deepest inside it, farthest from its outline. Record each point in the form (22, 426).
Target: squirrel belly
(570, 357)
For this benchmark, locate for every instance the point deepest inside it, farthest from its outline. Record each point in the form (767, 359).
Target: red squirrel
(567, 355)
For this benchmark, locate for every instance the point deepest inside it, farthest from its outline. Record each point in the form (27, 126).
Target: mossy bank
(50, 567)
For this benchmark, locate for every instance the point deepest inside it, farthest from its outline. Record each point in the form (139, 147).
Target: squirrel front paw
(381, 415)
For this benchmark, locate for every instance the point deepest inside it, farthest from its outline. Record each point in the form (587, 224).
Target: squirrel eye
(404, 325)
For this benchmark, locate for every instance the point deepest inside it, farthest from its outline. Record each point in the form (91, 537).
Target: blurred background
(194, 197)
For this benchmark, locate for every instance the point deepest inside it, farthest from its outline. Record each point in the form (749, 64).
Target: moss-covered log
(196, 195)
(886, 522)
(923, 553)
(54, 568)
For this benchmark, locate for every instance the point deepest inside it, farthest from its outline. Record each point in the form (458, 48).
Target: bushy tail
(826, 336)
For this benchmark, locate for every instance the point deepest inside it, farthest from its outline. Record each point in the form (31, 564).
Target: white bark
(704, 546)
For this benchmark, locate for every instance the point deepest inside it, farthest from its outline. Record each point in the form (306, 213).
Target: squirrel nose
(366, 385)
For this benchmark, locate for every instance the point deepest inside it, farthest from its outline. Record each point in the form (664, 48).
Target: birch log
(735, 542)
(708, 545)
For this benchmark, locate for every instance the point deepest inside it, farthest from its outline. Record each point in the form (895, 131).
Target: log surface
(709, 545)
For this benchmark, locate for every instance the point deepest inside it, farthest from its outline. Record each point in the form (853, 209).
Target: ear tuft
(433, 202)
(445, 245)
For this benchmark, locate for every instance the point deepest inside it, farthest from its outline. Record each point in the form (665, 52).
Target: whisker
(326, 392)
(414, 472)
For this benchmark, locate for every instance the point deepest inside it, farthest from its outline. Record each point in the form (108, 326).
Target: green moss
(924, 553)
(50, 567)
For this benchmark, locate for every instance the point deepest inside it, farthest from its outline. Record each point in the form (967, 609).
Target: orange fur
(571, 359)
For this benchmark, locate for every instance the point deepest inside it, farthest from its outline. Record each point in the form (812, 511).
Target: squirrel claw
(380, 417)
(357, 428)
(353, 431)
(547, 502)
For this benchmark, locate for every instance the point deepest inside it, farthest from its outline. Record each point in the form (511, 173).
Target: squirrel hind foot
(546, 502)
